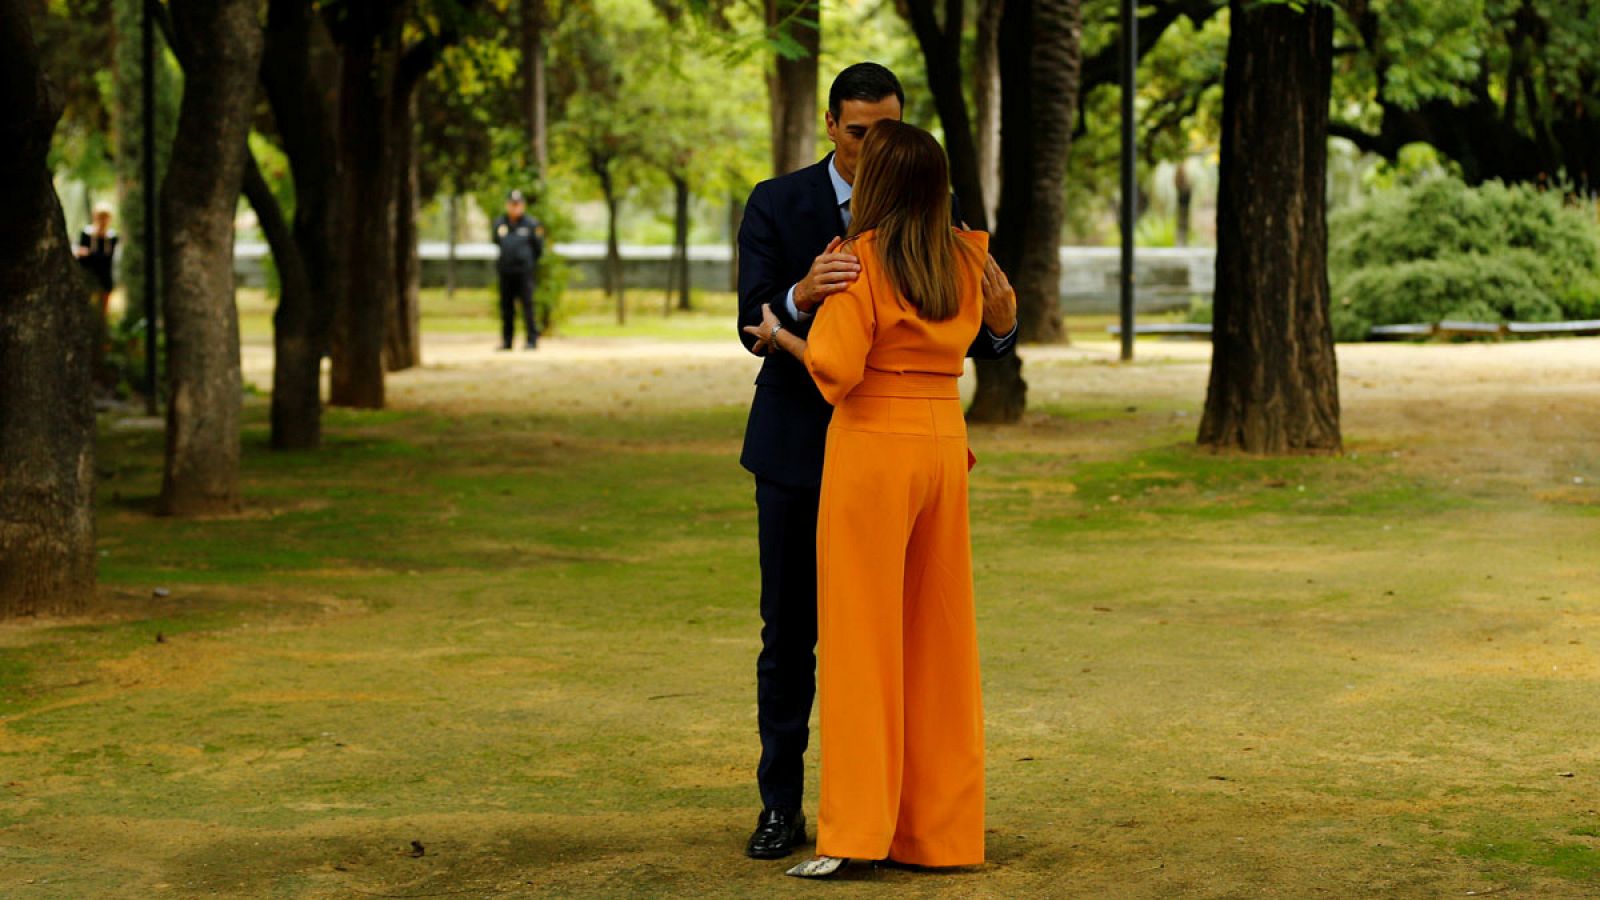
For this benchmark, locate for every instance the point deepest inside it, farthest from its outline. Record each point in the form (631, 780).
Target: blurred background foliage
(1431, 97)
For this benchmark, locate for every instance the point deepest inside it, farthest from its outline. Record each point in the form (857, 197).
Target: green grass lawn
(526, 641)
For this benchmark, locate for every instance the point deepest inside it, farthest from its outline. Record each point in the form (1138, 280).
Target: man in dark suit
(789, 257)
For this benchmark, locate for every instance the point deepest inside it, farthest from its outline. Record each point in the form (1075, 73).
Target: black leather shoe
(778, 833)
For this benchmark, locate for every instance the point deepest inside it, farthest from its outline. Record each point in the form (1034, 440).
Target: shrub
(1443, 250)
(1475, 287)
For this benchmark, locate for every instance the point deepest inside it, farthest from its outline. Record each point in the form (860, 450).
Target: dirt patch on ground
(1521, 410)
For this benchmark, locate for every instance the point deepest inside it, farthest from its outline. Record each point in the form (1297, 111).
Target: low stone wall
(1168, 278)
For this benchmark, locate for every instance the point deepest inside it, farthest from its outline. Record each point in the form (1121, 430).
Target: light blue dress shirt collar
(841, 188)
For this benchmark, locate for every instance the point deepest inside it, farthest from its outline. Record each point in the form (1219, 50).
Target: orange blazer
(871, 326)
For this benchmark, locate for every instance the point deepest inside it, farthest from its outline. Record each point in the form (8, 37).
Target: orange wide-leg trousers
(901, 708)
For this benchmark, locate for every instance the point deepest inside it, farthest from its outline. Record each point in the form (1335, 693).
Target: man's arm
(761, 273)
(759, 266)
(988, 345)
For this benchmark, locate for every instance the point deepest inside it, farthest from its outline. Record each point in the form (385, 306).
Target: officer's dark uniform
(102, 250)
(520, 249)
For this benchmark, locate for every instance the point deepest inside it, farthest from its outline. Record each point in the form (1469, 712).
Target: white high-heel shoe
(818, 867)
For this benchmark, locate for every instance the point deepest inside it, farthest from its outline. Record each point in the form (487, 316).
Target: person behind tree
(97, 249)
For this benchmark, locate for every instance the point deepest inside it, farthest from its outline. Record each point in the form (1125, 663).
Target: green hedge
(1443, 250)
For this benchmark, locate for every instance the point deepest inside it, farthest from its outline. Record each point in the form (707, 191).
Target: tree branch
(1105, 67)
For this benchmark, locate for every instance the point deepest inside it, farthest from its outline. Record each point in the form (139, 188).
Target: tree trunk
(986, 103)
(1185, 202)
(298, 65)
(47, 555)
(534, 20)
(1274, 378)
(680, 239)
(367, 160)
(403, 329)
(128, 115)
(221, 47)
(296, 406)
(941, 55)
(454, 219)
(612, 278)
(1040, 56)
(792, 85)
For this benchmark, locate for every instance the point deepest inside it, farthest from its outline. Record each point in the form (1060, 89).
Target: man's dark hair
(863, 81)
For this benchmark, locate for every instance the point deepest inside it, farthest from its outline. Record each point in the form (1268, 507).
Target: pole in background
(1130, 67)
(152, 254)
(450, 261)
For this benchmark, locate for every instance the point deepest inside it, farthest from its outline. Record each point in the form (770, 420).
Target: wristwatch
(772, 336)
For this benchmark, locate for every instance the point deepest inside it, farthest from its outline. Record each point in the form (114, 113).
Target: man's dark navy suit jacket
(788, 221)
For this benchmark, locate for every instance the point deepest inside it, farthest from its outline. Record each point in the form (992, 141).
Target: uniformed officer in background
(97, 249)
(520, 238)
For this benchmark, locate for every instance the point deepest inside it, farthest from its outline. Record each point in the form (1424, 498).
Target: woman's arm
(771, 331)
(842, 330)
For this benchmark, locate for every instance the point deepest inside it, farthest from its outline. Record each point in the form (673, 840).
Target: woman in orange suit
(902, 714)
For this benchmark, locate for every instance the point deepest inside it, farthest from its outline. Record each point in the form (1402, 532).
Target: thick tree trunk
(46, 417)
(986, 103)
(534, 20)
(221, 46)
(792, 85)
(1274, 379)
(1040, 56)
(680, 239)
(367, 163)
(403, 330)
(298, 65)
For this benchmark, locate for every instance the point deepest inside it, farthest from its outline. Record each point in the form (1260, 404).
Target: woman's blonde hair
(902, 191)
